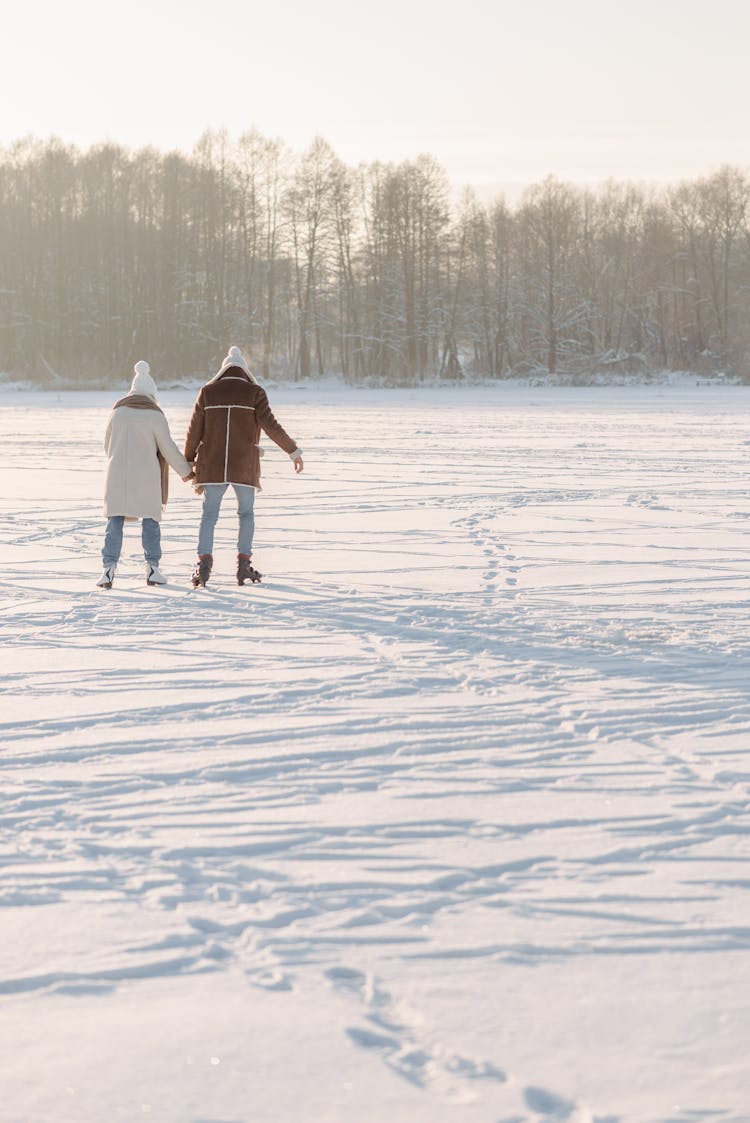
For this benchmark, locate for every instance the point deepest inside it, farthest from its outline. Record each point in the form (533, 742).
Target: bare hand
(185, 479)
(298, 464)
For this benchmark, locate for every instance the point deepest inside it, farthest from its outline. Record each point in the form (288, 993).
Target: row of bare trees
(316, 268)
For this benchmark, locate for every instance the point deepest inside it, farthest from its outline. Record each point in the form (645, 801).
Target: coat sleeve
(195, 428)
(108, 436)
(271, 426)
(168, 448)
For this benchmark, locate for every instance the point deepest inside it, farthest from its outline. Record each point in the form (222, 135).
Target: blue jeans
(150, 537)
(212, 497)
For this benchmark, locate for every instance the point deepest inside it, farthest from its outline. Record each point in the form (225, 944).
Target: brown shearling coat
(225, 427)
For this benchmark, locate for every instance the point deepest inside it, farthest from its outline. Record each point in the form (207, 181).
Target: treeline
(316, 268)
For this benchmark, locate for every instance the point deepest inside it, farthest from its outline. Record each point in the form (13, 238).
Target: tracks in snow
(509, 735)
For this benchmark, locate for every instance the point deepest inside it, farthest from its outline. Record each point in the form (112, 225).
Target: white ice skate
(154, 576)
(107, 577)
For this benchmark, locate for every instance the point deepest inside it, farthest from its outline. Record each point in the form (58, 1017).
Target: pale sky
(501, 93)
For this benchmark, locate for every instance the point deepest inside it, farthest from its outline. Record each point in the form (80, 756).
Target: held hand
(298, 465)
(186, 479)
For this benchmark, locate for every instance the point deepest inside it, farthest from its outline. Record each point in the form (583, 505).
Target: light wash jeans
(212, 497)
(150, 537)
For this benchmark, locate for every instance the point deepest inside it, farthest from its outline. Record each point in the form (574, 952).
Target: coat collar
(138, 401)
(232, 372)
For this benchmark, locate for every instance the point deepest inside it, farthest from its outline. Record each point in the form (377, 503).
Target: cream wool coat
(133, 478)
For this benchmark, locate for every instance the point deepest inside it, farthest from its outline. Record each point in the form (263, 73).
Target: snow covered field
(446, 821)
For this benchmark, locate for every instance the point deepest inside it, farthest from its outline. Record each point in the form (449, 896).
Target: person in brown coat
(222, 439)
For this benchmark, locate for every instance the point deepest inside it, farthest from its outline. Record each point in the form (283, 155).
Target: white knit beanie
(143, 383)
(235, 358)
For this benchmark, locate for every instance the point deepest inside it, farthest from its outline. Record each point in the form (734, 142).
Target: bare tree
(550, 223)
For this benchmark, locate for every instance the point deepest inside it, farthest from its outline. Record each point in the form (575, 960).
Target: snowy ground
(446, 821)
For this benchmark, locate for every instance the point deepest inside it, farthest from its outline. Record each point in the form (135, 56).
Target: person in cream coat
(139, 447)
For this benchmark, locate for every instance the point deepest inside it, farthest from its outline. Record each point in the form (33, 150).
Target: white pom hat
(143, 383)
(235, 358)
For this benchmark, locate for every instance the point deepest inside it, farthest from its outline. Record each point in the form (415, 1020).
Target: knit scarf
(142, 401)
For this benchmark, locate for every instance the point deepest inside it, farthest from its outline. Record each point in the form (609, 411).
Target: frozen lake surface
(445, 821)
